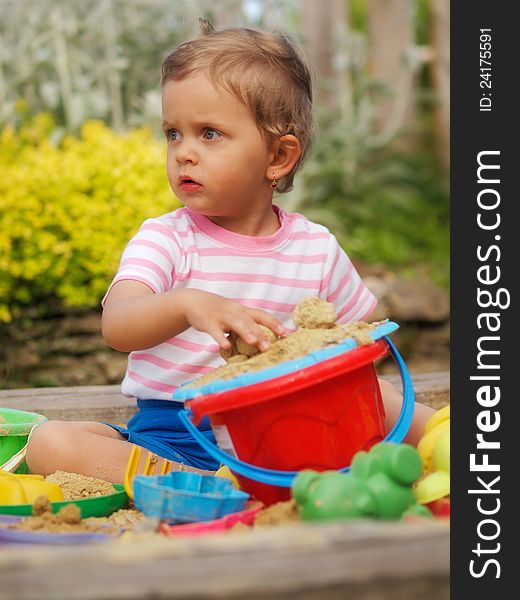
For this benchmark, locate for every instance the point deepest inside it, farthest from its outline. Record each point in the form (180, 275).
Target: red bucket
(314, 418)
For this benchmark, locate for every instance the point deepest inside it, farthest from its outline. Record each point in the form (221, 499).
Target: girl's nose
(185, 152)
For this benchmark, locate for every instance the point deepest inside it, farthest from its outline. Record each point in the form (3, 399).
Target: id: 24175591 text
(485, 70)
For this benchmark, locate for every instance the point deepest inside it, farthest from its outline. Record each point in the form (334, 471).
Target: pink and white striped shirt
(183, 249)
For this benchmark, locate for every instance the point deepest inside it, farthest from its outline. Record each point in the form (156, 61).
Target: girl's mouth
(189, 185)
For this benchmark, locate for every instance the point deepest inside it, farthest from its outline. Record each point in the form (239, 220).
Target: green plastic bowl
(15, 426)
(96, 506)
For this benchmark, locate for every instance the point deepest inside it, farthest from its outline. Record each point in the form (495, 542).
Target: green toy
(379, 485)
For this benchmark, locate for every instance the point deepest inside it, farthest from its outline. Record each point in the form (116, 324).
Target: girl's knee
(58, 445)
(47, 440)
(45, 434)
(40, 440)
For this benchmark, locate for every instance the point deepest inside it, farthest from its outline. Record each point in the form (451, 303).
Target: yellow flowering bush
(68, 210)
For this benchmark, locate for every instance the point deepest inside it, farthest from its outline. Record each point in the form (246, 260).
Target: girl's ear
(286, 152)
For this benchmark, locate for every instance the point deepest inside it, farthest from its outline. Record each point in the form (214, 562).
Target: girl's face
(217, 160)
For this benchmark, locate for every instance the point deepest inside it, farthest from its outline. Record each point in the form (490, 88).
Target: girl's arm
(135, 318)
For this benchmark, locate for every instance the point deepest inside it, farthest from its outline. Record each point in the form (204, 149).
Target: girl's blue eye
(211, 134)
(172, 135)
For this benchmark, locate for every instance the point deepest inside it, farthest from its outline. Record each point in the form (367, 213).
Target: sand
(124, 518)
(3, 430)
(76, 487)
(317, 330)
(313, 313)
(66, 520)
(278, 514)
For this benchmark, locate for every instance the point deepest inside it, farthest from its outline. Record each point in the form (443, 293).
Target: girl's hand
(217, 316)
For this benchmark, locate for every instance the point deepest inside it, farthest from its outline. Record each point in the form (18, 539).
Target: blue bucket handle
(285, 478)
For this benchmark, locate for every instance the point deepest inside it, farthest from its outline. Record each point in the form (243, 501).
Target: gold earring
(274, 183)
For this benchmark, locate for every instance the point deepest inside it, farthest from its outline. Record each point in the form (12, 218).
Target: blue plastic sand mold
(186, 497)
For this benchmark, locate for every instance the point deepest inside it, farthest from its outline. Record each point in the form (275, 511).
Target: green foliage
(422, 21)
(102, 59)
(82, 60)
(358, 14)
(386, 206)
(67, 210)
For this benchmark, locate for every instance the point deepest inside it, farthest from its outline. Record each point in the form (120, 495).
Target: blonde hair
(265, 71)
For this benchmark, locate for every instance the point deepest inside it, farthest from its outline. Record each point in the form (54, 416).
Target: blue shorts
(157, 427)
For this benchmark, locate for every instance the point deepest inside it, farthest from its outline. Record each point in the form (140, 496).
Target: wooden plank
(432, 389)
(81, 403)
(106, 403)
(359, 560)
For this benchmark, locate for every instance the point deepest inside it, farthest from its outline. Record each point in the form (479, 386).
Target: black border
(473, 131)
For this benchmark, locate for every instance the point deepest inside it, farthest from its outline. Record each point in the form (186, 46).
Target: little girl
(237, 117)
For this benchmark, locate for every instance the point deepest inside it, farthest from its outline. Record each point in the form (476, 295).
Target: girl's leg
(83, 447)
(392, 399)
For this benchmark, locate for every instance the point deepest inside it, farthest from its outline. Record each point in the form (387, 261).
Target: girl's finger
(220, 337)
(249, 330)
(268, 320)
(253, 334)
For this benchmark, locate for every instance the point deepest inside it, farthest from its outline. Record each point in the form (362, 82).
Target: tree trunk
(63, 68)
(325, 31)
(112, 71)
(440, 65)
(391, 48)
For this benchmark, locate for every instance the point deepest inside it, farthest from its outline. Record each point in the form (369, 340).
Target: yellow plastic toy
(225, 472)
(24, 489)
(434, 449)
(436, 425)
